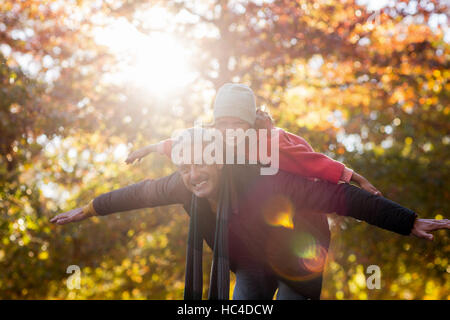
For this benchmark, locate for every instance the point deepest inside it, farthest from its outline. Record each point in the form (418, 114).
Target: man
(287, 256)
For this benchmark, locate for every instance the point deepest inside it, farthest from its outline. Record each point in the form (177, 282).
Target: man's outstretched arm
(145, 194)
(348, 200)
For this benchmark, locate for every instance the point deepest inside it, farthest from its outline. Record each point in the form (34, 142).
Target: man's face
(201, 179)
(224, 123)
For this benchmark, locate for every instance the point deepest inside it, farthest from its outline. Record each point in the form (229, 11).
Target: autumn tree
(367, 86)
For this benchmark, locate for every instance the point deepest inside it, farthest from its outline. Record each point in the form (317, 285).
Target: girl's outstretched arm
(140, 153)
(162, 147)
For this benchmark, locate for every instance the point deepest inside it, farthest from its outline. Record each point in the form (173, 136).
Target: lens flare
(316, 263)
(304, 246)
(306, 257)
(312, 256)
(278, 212)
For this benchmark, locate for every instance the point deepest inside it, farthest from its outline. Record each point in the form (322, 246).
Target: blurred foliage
(366, 87)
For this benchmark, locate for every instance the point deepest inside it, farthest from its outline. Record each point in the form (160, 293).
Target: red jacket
(296, 156)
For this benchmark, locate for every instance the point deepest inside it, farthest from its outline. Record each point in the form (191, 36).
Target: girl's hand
(366, 185)
(74, 215)
(135, 155)
(263, 120)
(423, 227)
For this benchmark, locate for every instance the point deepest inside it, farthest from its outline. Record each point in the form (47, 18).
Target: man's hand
(423, 227)
(74, 215)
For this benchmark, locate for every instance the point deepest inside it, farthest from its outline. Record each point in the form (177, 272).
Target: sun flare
(157, 62)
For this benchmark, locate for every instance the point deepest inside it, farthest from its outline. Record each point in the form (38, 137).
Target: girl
(295, 154)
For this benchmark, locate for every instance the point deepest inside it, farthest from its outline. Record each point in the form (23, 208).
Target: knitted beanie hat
(235, 100)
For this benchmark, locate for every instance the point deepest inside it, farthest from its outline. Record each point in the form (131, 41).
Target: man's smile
(198, 185)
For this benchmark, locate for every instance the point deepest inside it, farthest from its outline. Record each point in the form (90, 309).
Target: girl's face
(224, 123)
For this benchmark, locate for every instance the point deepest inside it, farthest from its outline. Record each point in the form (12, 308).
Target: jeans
(255, 283)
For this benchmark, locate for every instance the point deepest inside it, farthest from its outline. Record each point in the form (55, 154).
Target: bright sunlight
(157, 63)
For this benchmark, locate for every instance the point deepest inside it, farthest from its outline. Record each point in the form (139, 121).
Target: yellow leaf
(43, 255)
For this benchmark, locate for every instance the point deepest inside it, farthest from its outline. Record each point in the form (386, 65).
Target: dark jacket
(280, 222)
